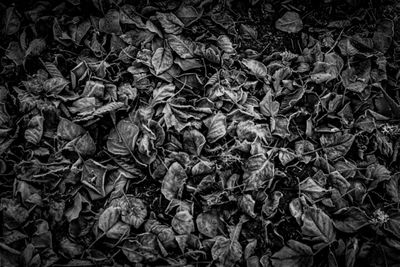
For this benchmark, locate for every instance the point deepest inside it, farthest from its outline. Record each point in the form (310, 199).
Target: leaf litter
(199, 133)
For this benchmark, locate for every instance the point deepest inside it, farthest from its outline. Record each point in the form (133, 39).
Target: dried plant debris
(200, 133)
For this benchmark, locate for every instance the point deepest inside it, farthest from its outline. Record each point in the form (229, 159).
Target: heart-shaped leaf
(162, 60)
(216, 127)
(183, 223)
(208, 223)
(290, 22)
(122, 139)
(193, 141)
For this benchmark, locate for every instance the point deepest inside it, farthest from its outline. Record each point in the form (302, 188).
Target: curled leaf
(173, 181)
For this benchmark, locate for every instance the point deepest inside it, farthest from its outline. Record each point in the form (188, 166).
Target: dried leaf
(193, 141)
(226, 251)
(317, 225)
(290, 22)
(122, 139)
(133, 210)
(34, 131)
(162, 60)
(350, 220)
(170, 23)
(110, 22)
(108, 218)
(208, 224)
(255, 67)
(182, 46)
(295, 254)
(216, 127)
(93, 176)
(11, 21)
(183, 222)
(336, 145)
(173, 181)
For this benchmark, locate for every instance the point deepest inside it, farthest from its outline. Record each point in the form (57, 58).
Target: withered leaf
(290, 22)
(162, 59)
(173, 181)
(170, 23)
(34, 130)
(293, 254)
(122, 139)
(11, 21)
(133, 210)
(193, 141)
(110, 22)
(255, 67)
(108, 218)
(93, 176)
(216, 127)
(226, 251)
(182, 46)
(208, 223)
(336, 145)
(183, 222)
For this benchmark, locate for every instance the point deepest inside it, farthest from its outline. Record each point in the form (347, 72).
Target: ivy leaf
(133, 210)
(170, 23)
(226, 251)
(193, 141)
(290, 22)
(317, 225)
(182, 46)
(294, 254)
(162, 59)
(350, 219)
(122, 139)
(34, 130)
(173, 181)
(336, 145)
(255, 67)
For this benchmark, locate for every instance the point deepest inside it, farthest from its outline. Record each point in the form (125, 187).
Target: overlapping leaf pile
(153, 135)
